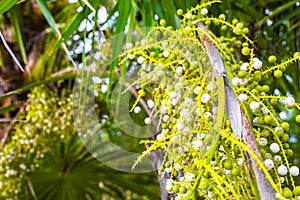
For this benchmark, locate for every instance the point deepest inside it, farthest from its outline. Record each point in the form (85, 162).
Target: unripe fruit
(241, 74)
(237, 31)
(272, 59)
(285, 126)
(227, 164)
(297, 118)
(297, 191)
(204, 184)
(289, 152)
(179, 12)
(278, 73)
(142, 93)
(182, 190)
(245, 51)
(222, 16)
(268, 119)
(257, 76)
(235, 21)
(245, 30)
(163, 22)
(235, 171)
(265, 88)
(175, 188)
(287, 193)
(224, 28)
(285, 137)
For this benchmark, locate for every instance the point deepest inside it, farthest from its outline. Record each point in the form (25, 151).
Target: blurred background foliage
(50, 38)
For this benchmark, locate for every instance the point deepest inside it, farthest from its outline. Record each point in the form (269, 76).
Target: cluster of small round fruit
(27, 144)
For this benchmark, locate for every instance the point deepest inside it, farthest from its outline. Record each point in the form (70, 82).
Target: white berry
(257, 64)
(236, 81)
(180, 126)
(282, 170)
(147, 120)
(254, 105)
(205, 98)
(189, 15)
(289, 102)
(166, 53)
(165, 118)
(140, 59)
(294, 171)
(204, 11)
(269, 163)
(197, 144)
(196, 90)
(283, 116)
(263, 142)
(137, 109)
(243, 97)
(244, 66)
(150, 103)
(179, 70)
(274, 147)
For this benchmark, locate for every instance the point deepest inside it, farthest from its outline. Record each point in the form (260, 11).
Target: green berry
(182, 190)
(235, 171)
(179, 12)
(274, 102)
(224, 28)
(265, 133)
(235, 21)
(227, 164)
(241, 74)
(175, 188)
(282, 68)
(216, 23)
(285, 126)
(278, 73)
(142, 93)
(152, 54)
(207, 22)
(222, 16)
(257, 76)
(245, 51)
(245, 44)
(163, 22)
(164, 126)
(237, 31)
(289, 152)
(286, 145)
(272, 59)
(245, 30)
(268, 119)
(296, 55)
(297, 118)
(259, 88)
(280, 133)
(204, 184)
(175, 173)
(254, 91)
(296, 191)
(285, 137)
(239, 25)
(265, 88)
(287, 193)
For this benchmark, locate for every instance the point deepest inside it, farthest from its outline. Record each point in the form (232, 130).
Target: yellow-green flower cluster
(183, 93)
(46, 120)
